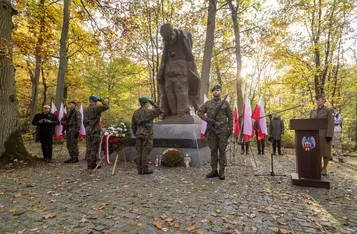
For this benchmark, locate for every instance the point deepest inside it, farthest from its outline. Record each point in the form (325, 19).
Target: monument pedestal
(182, 133)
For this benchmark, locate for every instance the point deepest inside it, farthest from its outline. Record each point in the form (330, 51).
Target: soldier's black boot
(221, 173)
(74, 160)
(68, 160)
(147, 171)
(212, 174)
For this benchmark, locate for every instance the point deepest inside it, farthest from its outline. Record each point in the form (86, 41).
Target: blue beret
(94, 98)
(143, 99)
(218, 86)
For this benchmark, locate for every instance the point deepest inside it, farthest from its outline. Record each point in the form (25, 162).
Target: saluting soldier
(91, 123)
(224, 125)
(72, 124)
(142, 126)
(323, 112)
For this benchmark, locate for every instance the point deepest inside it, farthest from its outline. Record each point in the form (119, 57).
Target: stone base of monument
(182, 133)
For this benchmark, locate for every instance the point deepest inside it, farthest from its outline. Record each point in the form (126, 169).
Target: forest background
(287, 51)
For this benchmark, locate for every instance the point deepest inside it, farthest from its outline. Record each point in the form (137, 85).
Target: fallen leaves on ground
(84, 220)
(49, 216)
(157, 224)
(177, 225)
(285, 231)
(190, 228)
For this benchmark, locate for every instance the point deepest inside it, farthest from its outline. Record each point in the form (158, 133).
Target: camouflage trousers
(72, 144)
(218, 142)
(176, 89)
(92, 148)
(143, 148)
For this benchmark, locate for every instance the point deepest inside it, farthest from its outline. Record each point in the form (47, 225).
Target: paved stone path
(61, 198)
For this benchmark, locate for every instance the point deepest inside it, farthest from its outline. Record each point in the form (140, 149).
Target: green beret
(93, 98)
(72, 102)
(218, 86)
(143, 99)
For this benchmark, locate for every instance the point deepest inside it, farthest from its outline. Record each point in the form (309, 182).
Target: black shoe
(341, 160)
(263, 154)
(330, 159)
(281, 154)
(259, 153)
(75, 160)
(147, 172)
(48, 160)
(68, 160)
(43, 159)
(221, 174)
(213, 173)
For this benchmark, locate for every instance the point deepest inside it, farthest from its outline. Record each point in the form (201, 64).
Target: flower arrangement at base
(115, 138)
(172, 158)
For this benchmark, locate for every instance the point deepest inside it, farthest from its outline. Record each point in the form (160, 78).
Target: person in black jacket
(46, 122)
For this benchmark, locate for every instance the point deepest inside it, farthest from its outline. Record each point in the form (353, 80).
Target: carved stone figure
(178, 78)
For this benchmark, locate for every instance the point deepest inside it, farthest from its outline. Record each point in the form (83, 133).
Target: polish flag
(257, 115)
(54, 109)
(82, 131)
(204, 123)
(59, 128)
(236, 126)
(248, 130)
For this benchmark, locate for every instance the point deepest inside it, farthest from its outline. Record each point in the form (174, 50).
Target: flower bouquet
(172, 158)
(115, 138)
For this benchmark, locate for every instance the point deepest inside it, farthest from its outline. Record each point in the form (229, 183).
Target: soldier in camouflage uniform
(142, 126)
(91, 122)
(72, 124)
(224, 125)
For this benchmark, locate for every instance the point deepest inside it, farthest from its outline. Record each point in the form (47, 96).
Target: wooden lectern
(308, 156)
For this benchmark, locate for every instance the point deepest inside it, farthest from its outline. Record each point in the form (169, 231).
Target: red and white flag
(248, 130)
(204, 123)
(82, 131)
(236, 126)
(59, 128)
(257, 115)
(54, 109)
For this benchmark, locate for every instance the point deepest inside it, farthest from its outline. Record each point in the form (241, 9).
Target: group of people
(142, 128)
(71, 122)
(275, 134)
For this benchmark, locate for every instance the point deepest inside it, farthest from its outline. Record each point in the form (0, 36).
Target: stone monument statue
(178, 78)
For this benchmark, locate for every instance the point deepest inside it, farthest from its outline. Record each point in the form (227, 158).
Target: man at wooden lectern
(323, 112)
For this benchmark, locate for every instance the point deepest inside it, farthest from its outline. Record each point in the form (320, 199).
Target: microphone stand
(272, 173)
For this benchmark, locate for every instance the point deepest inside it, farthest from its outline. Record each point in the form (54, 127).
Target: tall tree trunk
(45, 86)
(36, 78)
(219, 75)
(63, 56)
(11, 144)
(356, 122)
(207, 54)
(234, 14)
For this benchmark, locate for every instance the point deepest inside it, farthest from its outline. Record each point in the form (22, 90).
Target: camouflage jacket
(143, 121)
(92, 117)
(72, 121)
(224, 117)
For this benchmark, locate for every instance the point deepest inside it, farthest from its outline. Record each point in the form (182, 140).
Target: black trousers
(261, 145)
(46, 145)
(246, 144)
(276, 143)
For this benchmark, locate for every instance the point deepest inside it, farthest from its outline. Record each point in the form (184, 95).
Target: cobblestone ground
(61, 198)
